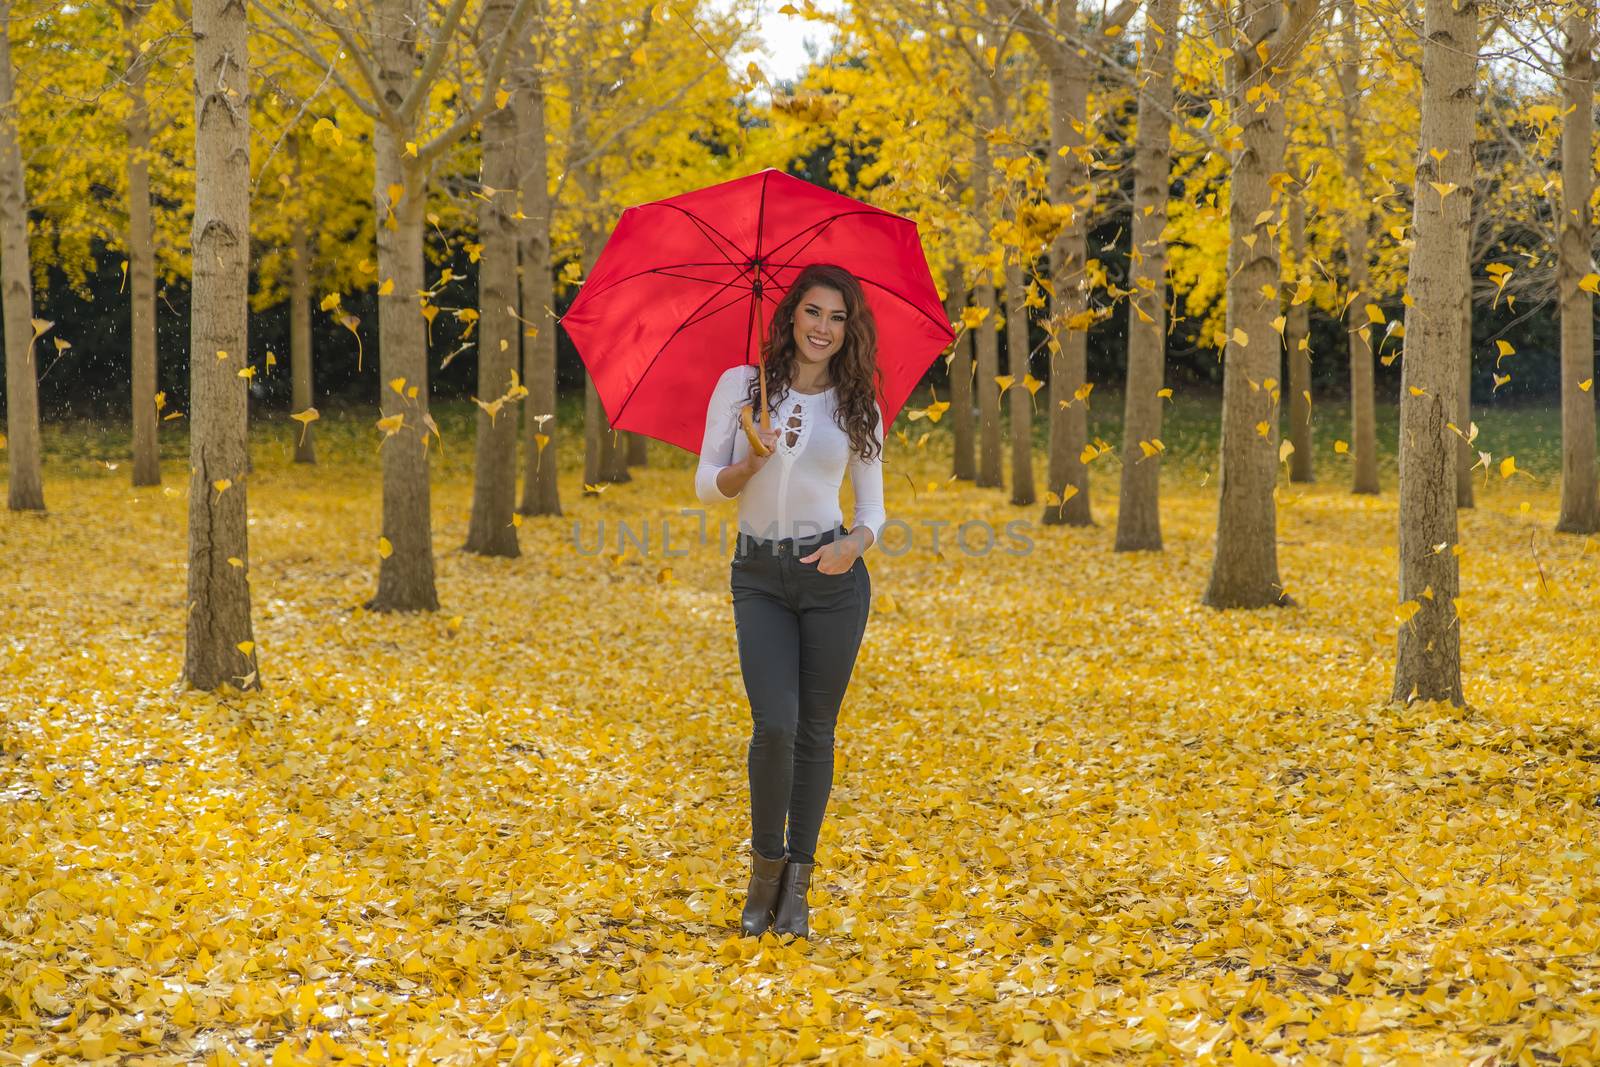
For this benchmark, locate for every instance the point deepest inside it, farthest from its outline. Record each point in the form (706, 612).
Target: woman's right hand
(754, 461)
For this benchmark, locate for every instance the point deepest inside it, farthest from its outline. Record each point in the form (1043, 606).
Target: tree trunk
(305, 446)
(1580, 506)
(593, 431)
(638, 449)
(405, 575)
(1244, 573)
(1297, 337)
(26, 491)
(1428, 665)
(220, 645)
(1139, 506)
(141, 255)
(964, 463)
(490, 531)
(1357, 234)
(612, 458)
(986, 341)
(1465, 453)
(540, 494)
(1017, 350)
(1069, 357)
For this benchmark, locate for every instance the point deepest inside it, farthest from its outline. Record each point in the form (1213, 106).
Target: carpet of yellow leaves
(1076, 815)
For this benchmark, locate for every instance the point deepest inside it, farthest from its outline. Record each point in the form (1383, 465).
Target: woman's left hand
(836, 557)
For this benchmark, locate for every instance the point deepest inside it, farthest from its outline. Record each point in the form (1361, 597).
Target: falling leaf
(1341, 447)
(385, 549)
(305, 419)
(350, 322)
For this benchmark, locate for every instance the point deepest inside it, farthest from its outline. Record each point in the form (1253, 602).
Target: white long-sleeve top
(796, 492)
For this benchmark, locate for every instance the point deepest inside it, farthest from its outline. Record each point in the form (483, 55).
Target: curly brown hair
(854, 368)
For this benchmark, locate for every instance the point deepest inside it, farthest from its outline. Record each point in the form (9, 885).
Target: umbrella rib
(937, 321)
(694, 317)
(663, 269)
(704, 226)
(822, 224)
(819, 227)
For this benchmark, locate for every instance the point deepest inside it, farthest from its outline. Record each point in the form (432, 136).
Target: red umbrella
(685, 288)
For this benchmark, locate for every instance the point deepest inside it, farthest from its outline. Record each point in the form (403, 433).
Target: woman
(801, 591)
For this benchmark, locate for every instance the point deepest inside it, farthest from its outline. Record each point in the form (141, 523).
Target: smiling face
(819, 324)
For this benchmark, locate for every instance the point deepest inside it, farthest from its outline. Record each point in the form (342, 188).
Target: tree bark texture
(141, 254)
(406, 574)
(1465, 453)
(24, 448)
(1017, 350)
(1428, 661)
(540, 492)
(300, 355)
(1244, 572)
(490, 530)
(220, 645)
(1069, 359)
(1139, 499)
(1297, 339)
(1580, 505)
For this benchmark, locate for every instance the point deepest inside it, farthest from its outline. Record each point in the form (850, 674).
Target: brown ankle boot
(793, 914)
(762, 896)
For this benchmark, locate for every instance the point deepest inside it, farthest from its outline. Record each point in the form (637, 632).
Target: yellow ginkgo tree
(417, 75)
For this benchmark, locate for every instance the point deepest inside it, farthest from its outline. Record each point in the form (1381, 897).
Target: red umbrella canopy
(685, 288)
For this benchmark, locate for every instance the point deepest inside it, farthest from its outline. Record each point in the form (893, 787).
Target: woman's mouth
(815, 343)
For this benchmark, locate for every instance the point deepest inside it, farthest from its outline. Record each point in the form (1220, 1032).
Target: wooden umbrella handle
(766, 419)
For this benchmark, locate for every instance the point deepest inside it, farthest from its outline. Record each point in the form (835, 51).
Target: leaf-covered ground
(1075, 816)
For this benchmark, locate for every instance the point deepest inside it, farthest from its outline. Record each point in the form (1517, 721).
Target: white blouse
(796, 492)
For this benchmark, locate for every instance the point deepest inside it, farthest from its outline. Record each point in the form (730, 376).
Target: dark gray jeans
(798, 630)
